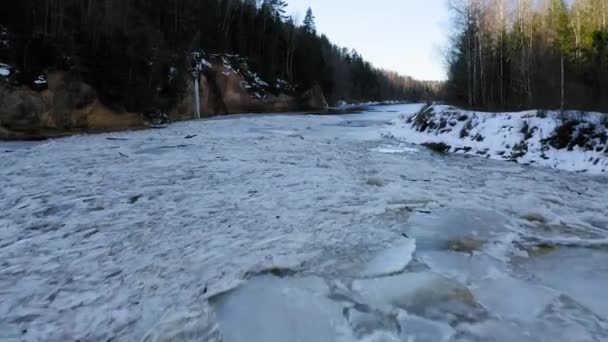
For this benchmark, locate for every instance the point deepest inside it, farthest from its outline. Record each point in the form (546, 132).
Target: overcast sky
(407, 36)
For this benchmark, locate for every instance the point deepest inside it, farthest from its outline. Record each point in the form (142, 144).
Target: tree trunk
(469, 63)
(563, 102)
(176, 15)
(46, 17)
(603, 14)
(530, 50)
(481, 71)
(502, 44)
(523, 49)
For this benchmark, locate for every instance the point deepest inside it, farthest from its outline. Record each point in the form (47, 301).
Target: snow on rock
(205, 63)
(40, 80)
(235, 64)
(570, 141)
(5, 70)
(259, 81)
(284, 86)
(172, 73)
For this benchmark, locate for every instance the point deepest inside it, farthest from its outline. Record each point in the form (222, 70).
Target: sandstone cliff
(67, 106)
(229, 87)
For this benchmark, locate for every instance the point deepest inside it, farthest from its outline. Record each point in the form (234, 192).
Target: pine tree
(309, 22)
(125, 49)
(276, 8)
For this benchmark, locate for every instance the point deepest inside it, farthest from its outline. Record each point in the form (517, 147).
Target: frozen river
(294, 228)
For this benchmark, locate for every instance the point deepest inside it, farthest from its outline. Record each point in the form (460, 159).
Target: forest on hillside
(519, 54)
(126, 48)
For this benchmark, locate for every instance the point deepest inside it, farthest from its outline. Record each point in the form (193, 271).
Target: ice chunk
(393, 260)
(416, 328)
(414, 292)
(462, 267)
(462, 227)
(271, 309)
(497, 331)
(512, 298)
(580, 273)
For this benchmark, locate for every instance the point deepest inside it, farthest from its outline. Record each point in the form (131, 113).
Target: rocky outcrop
(223, 90)
(314, 99)
(66, 107)
(70, 106)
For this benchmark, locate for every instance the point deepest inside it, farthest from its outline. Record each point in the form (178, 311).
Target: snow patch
(395, 149)
(569, 141)
(40, 80)
(259, 81)
(5, 70)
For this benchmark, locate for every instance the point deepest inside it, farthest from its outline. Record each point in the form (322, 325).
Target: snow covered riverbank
(569, 141)
(249, 228)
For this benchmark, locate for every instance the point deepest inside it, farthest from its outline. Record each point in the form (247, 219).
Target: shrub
(423, 120)
(541, 113)
(526, 131)
(464, 132)
(603, 137)
(440, 148)
(519, 150)
(562, 136)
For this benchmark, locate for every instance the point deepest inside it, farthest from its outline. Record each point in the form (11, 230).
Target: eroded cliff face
(65, 107)
(70, 106)
(224, 90)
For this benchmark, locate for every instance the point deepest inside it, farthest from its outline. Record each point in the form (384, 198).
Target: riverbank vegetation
(523, 54)
(136, 51)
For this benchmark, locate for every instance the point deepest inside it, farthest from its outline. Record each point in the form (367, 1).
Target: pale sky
(407, 36)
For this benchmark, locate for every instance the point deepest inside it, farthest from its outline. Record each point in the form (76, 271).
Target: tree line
(518, 54)
(127, 48)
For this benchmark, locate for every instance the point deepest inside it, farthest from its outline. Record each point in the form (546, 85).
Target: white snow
(40, 80)
(5, 70)
(341, 104)
(395, 149)
(172, 73)
(130, 239)
(205, 63)
(496, 134)
(259, 81)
